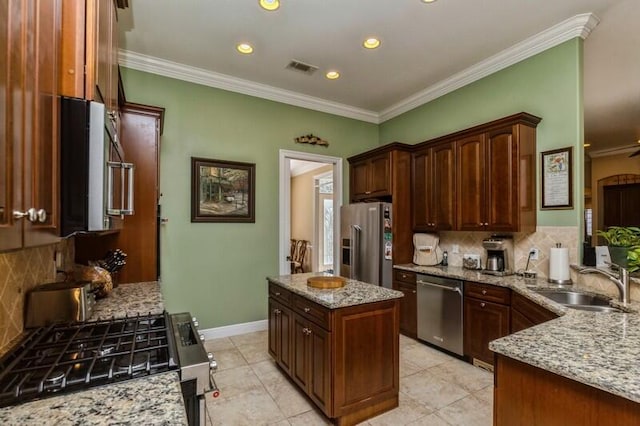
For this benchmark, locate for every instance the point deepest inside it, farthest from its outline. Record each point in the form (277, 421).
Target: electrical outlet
(534, 253)
(455, 249)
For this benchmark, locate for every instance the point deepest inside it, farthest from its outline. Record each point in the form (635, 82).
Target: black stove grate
(63, 358)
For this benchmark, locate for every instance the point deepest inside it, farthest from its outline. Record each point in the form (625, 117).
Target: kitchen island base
(345, 359)
(524, 394)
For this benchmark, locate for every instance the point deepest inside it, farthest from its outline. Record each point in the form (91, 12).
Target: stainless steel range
(64, 358)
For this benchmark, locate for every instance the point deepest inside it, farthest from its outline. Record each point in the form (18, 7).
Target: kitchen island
(153, 400)
(340, 346)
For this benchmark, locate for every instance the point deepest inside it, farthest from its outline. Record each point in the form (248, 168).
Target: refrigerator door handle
(355, 251)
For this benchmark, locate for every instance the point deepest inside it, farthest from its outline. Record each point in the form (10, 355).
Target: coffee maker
(499, 254)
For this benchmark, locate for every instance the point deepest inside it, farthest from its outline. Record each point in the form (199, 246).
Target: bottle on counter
(445, 258)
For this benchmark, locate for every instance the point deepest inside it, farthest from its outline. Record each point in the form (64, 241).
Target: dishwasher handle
(443, 287)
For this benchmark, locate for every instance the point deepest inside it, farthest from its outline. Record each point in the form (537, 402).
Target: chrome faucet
(621, 280)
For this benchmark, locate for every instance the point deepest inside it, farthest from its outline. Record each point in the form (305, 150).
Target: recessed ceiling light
(427, 1)
(332, 75)
(587, 145)
(371, 43)
(245, 48)
(269, 4)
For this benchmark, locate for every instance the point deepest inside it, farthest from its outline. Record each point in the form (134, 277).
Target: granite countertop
(130, 300)
(151, 400)
(598, 349)
(353, 293)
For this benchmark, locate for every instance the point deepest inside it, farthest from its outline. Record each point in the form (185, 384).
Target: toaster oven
(59, 302)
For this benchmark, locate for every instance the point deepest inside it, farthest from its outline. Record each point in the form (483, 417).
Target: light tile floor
(435, 389)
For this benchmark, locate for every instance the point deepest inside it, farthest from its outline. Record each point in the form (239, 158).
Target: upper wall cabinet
(384, 174)
(479, 179)
(433, 187)
(371, 177)
(496, 179)
(29, 111)
(89, 60)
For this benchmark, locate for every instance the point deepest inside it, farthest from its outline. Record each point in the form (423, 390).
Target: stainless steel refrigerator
(366, 243)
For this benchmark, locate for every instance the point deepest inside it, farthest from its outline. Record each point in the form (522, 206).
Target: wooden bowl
(326, 282)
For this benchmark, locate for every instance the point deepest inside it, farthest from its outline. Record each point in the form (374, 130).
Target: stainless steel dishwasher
(440, 312)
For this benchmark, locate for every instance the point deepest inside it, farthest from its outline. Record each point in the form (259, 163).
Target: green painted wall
(217, 271)
(548, 85)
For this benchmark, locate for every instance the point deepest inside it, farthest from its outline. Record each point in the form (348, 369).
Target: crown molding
(154, 65)
(577, 26)
(629, 149)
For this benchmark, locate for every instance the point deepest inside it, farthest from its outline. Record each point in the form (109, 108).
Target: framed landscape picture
(222, 191)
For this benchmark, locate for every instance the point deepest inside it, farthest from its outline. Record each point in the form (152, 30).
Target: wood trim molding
(576, 26)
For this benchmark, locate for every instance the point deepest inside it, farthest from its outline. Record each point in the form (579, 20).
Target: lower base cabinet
(527, 395)
(346, 360)
(312, 361)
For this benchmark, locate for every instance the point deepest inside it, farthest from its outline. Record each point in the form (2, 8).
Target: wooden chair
(297, 252)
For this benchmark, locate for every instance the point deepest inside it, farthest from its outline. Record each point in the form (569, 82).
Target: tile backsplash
(543, 239)
(20, 271)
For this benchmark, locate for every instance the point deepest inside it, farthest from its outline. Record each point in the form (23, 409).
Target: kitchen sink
(577, 300)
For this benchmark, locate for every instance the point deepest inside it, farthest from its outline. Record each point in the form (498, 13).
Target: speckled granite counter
(149, 400)
(129, 300)
(153, 400)
(353, 293)
(597, 349)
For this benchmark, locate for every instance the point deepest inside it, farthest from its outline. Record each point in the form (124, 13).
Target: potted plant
(633, 259)
(621, 240)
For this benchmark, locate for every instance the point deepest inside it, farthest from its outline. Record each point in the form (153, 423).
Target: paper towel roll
(559, 265)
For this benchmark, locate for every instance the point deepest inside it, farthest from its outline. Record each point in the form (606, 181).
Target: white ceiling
(422, 46)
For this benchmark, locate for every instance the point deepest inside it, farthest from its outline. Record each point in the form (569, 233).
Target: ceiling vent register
(302, 67)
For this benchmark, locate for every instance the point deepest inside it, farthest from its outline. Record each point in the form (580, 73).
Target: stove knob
(202, 337)
(213, 365)
(210, 356)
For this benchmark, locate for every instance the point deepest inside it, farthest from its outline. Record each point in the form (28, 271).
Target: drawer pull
(307, 309)
(306, 331)
(482, 304)
(484, 291)
(277, 293)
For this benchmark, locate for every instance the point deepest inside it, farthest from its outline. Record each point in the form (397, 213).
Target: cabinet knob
(367, 192)
(277, 294)
(414, 292)
(484, 291)
(486, 224)
(307, 309)
(277, 311)
(482, 304)
(306, 331)
(42, 215)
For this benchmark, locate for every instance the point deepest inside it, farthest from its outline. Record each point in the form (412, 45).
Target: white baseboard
(234, 329)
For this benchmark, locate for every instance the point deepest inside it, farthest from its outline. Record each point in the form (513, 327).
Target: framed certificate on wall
(557, 183)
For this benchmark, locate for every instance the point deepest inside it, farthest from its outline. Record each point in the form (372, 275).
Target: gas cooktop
(62, 358)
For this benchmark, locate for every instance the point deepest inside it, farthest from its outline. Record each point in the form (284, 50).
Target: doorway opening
(310, 200)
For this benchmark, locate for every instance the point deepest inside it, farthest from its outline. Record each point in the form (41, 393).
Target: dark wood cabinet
(280, 335)
(524, 394)
(89, 60)
(29, 144)
(470, 181)
(433, 188)
(333, 352)
(371, 177)
(405, 282)
(526, 313)
(486, 318)
(496, 180)
(384, 174)
(311, 366)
